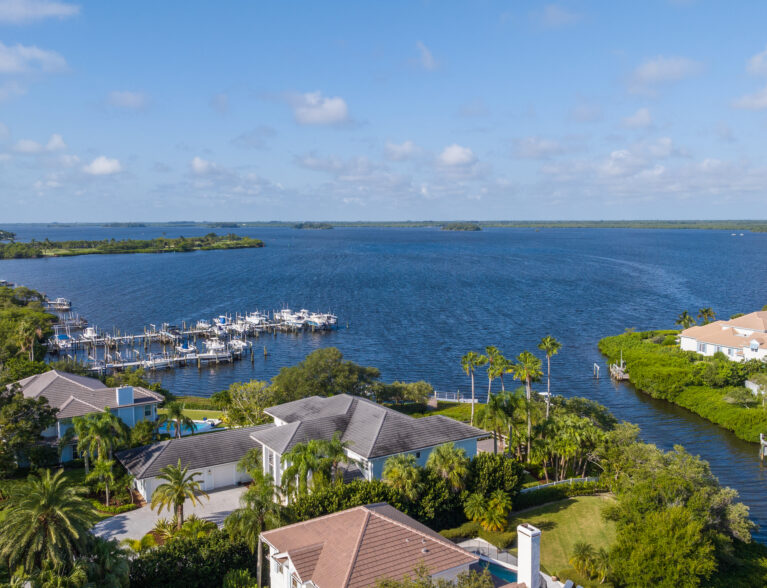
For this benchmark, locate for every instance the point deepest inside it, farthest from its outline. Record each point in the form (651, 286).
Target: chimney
(529, 555)
(124, 395)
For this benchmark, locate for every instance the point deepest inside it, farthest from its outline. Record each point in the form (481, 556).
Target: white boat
(89, 334)
(255, 318)
(215, 346)
(61, 341)
(60, 304)
(237, 345)
(202, 325)
(154, 362)
(186, 348)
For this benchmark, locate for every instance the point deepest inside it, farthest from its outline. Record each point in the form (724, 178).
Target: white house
(213, 456)
(359, 547)
(75, 395)
(740, 339)
(373, 432)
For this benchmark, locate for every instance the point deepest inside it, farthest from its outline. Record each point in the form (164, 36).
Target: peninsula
(462, 226)
(34, 249)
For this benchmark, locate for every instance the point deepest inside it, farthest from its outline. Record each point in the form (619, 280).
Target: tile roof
(194, 451)
(370, 429)
(756, 321)
(360, 546)
(77, 395)
(722, 333)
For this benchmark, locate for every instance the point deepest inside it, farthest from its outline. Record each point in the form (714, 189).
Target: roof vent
(424, 550)
(423, 541)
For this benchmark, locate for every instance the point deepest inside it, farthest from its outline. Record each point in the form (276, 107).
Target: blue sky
(155, 111)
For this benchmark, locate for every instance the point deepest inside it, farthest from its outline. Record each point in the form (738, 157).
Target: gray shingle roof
(195, 451)
(75, 395)
(370, 429)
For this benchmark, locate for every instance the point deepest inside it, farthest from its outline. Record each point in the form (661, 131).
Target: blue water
(415, 300)
(199, 427)
(501, 573)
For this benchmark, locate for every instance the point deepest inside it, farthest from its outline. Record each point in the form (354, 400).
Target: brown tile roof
(756, 321)
(722, 333)
(360, 546)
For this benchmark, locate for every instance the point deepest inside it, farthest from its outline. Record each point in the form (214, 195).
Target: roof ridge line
(358, 543)
(66, 375)
(73, 398)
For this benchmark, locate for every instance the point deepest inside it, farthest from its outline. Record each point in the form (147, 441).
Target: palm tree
(470, 362)
(706, 314)
(494, 418)
(139, 546)
(550, 346)
(451, 463)
(496, 515)
(684, 320)
(108, 563)
(300, 463)
(53, 576)
(601, 564)
(194, 527)
(493, 372)
(475, 507)
(251, 461)
(582, 557)
(26, 335)
(102, 473)
(258, 512)
(528, 369)
(334, 453)
(511, 403)
(48, 520)
(164, 529)
(98, 434)
(401, 473)
(179, 486)
(174, 413)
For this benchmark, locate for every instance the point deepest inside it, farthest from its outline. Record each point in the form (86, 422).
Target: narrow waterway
(415, 300)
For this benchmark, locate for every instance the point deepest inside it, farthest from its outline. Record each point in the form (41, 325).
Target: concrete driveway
(137, 523)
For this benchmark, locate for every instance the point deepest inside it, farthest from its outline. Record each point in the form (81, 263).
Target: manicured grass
(199, 414)
(565, 523)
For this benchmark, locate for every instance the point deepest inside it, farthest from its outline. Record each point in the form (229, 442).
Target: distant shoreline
(724, 225)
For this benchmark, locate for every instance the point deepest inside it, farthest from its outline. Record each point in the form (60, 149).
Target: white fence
(570, 481)
(454, 397)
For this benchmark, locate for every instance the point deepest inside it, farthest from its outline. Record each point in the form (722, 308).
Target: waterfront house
(373, 433)
(359, 547)
(740, 339)
(213, 456)
(74, 395)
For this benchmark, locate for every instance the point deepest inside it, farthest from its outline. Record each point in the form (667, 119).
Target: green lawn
(199, 414)
(563, 524)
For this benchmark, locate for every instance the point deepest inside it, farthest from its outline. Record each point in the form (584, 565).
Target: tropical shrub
(490, 472)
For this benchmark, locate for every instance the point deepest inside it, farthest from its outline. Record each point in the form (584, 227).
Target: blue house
(74, 395)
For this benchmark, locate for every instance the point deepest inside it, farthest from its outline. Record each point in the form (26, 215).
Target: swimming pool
(501, 572)
(199, 427)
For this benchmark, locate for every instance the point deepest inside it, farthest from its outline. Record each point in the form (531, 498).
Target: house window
(754, 346)
(730, 350)
(148, 411)
(701, 348)
(417, 454)
(270, 466)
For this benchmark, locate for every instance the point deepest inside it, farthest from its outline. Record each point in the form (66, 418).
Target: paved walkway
(137, 523)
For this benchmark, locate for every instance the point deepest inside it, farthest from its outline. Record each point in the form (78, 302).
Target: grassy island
(309, 225)
(712, 387)
(33, 249)
(461, 227)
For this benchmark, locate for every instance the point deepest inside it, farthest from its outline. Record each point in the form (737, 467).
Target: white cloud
(28, 58)
(662, 70)
(555, 17)
(455, 155)
(27, 146)
(536, 148)
(313, 108)
(201, 166)
(757, 65)
(128, 100)
(55, 143)
(401, 151)
(24, 11)
(103, 166)
(425, 57)
(755, 101)
(641, 119)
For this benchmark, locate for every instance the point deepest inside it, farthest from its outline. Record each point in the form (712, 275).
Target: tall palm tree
(550, 346)
(511, 402)
(178, 487)
(469, 363)
(48, 520)
(684, 320)
(26, 335)
(334, 453)
(706, 314)
(102, 474)
(401, 473)
(174, 413)
(300, 463)
(493, 366)
(451, 463)
(98, 434)
(528, 369)
(258, 512)
(494, 418)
